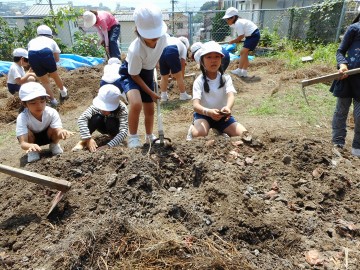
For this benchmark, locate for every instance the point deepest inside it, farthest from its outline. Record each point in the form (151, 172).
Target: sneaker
(63, 94)
(244, 73)
(164, 96)
(150, 138)
(134, 141)
(355, 152)
(189, 135)
(54, 102)
(55, 149)
(185, 96)
(33, 156)
(237, 72)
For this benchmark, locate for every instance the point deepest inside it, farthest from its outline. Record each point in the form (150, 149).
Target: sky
(181, 5)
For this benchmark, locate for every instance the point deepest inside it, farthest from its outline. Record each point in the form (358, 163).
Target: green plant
(86, 45)
(220, 29)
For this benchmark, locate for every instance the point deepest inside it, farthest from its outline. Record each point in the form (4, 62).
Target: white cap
(44, 30)
(148, 21)
(31, 90)
(208, 47)
(20, 52)
(230, 12)
(114, 60)
(195, 47)
(108, 98)
(185, 41)
(89, 19)
(197, 55)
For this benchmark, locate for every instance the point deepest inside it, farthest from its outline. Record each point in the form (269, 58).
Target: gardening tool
(59, 184)
(161, 138)
(325, 78)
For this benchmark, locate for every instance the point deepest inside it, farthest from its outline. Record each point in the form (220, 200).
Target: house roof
(44, 9)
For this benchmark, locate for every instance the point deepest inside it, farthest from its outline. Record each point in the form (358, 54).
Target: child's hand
(33, 148)
(155, 97)
(215, 114)
(225, 112)
(64, 134)
(91, 145)
(342, 69)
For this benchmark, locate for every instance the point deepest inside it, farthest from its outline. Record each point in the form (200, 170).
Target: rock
(286, 159)
(17, 246)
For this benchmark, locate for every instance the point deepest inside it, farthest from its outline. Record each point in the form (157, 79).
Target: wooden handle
(50, 182)
(329, 77)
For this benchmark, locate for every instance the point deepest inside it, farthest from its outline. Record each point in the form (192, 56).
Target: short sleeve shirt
(15, 72)
(181, 47)
(26, 121)
(244, 27)
(42, 42)
(217, 97)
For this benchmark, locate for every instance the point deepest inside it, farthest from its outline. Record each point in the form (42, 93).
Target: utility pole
(173, 2)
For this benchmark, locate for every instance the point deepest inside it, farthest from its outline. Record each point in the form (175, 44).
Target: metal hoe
(59, 184)
(329, 77)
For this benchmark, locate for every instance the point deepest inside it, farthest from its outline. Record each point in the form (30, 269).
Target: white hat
(20, 52)
(114, 60)
(108, 98)
(208, 47)
(195, 47)
(44, 30)
(230, 12)
(185, 41)
(148, 21)
(89, 19)
(31, 90)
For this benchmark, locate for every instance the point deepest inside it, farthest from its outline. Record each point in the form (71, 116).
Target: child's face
(212, 61)
(24, 62)
(151, 42)
(36, 106)
(230, 20)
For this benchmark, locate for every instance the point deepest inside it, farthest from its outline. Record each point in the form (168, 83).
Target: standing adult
(244, 29)
(108, 29)
(347, 88)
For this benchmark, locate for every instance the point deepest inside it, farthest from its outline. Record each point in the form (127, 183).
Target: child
(111, 73)
(243, 28)
(213, 96)
(225, 61)
(38, 124)
(173, 60)
(137, 71)
(108, 29)
(347, 88)
(108, 115)
(43, 55)
(17, 75)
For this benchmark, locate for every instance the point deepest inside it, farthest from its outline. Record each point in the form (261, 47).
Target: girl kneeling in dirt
(38, 124)
(108, 115)
(213, 96)
(137, 71)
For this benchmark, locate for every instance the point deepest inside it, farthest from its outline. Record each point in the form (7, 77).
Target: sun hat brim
(101, 105)
(89, 20)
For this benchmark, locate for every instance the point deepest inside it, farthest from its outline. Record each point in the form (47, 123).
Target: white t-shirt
(140, 56)
(111, 73)
(181, 47)
(217, 97)
(15, 71)
(42, 42)
(26, 121)
(244, 27)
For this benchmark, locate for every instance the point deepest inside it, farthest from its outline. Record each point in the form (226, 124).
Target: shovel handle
(329, 77)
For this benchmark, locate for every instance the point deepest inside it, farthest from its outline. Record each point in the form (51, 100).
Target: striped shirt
(122, 115)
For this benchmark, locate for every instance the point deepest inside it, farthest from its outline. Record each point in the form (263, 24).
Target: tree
(211, 5)
(220, 29)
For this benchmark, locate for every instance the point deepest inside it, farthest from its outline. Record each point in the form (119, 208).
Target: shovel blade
(55, 201)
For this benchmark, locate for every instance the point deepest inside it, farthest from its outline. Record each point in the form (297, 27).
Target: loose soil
(285, 200)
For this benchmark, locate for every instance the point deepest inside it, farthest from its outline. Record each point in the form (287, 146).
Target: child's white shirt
(217, 97)
(181, 47)
(15, 71)
(244, 27)
(140, 56)
(42, 42)
(26, 121)
(111, 73)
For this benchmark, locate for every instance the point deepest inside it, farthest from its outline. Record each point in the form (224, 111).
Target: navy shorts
(170, 60)
(13, 88)
(220, 125)
(42, 62)
(252, 41)
(42, 137)
(127, 83)
(117, 83)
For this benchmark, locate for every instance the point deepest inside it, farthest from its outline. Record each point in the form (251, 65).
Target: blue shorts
(42, 137)
(13, 88)
(117, 83)
(252, 41)
(225, 61)
(170, 60)
(220, 125)
(127, 83)
(42, 62)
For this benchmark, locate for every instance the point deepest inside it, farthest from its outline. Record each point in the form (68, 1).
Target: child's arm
(63, 134)
(24, 79)
(144, 87)
(212, 113)
(237, 40)
(56, 56)
(123, 126)
(28, 147)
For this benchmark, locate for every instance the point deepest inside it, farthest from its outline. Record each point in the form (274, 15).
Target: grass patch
(7, 136)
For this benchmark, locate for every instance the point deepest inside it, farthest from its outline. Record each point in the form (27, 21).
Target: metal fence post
(190, 27)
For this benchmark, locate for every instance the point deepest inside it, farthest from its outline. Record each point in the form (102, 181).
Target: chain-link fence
(323, 23)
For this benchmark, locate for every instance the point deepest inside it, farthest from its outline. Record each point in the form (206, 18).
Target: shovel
(59, 184)
(161, 137)
(326, 78)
